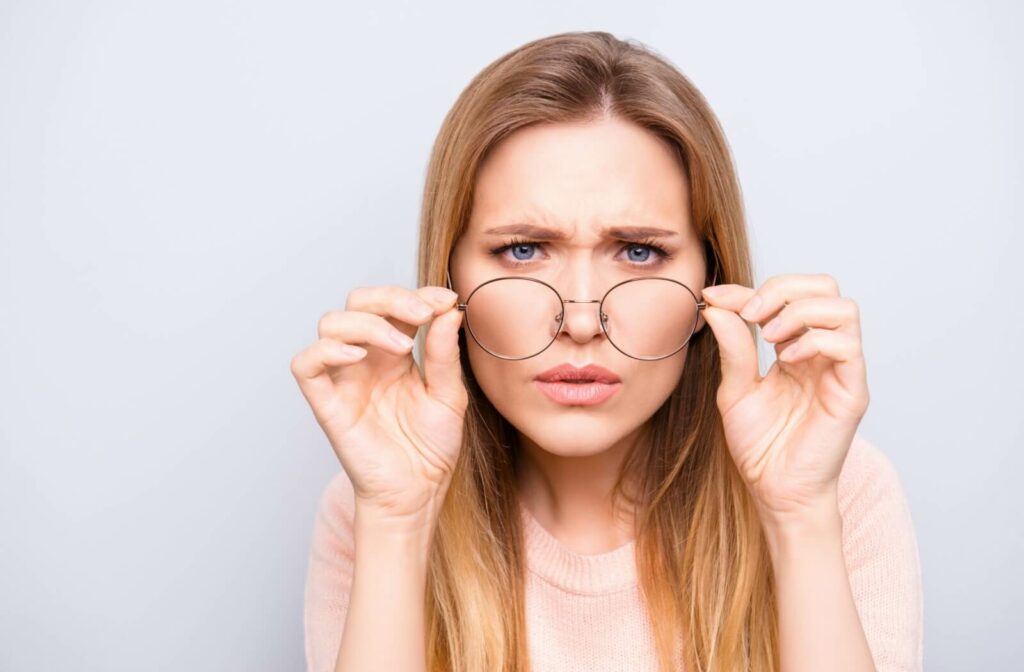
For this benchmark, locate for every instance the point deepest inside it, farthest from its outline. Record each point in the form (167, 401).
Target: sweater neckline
(582, 573)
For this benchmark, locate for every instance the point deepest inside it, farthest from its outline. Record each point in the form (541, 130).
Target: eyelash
(663, 254)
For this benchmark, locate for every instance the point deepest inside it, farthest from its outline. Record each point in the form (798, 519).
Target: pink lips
(572, 386)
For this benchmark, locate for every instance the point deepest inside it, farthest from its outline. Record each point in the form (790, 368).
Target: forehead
(581, 179)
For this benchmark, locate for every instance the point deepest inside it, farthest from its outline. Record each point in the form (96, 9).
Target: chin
(571, 434)
(575, 431)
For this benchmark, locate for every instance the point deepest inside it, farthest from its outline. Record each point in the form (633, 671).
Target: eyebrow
(536, 232)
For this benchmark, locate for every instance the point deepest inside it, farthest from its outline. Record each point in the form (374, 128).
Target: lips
(568, 373)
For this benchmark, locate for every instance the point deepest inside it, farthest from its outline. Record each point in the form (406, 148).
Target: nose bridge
(580, 285)
(581, 322)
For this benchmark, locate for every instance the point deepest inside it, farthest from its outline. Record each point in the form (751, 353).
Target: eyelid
(661, 251)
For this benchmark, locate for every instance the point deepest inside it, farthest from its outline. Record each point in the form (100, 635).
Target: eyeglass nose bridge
(604, 317)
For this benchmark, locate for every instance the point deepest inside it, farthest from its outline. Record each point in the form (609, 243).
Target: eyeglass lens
(646, 318)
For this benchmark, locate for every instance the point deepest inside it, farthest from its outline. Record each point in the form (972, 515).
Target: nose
(582, 320)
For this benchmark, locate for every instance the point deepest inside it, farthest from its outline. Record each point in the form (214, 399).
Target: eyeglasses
(514, 318)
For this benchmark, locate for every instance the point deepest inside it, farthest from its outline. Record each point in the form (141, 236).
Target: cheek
(651, 383)
(504, 382)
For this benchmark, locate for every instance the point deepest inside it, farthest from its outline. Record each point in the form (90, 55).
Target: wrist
(797, 531)
(384, 530)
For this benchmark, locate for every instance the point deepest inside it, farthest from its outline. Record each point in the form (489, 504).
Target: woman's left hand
(789, 432)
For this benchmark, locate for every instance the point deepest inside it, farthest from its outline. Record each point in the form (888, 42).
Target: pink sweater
(584, 612)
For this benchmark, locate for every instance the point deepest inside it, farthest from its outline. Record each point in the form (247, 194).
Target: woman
(612, 485)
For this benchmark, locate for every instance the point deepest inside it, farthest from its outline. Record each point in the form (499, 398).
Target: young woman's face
(577, 180)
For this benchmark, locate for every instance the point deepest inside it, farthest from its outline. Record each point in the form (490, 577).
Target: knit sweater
(584, 612)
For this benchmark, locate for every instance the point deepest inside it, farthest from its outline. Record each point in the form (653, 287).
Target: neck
(571, 496)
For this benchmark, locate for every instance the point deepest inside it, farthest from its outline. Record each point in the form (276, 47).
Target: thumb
(738, 351)
(441, 365)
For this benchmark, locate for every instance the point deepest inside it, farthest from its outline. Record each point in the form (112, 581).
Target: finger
(842, 349)
(836, 346)
(781, 290)
(441, 365)
(840, 313)
(354, 327)
(738, 352)
(727, 297)
(409, 308)
(311, 368)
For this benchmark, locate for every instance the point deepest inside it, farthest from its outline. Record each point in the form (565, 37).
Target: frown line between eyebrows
(535, 232)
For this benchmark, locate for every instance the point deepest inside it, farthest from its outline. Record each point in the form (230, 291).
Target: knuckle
(295, 365)
(324, 344)
(396, 293)
(830, 282)
(327, 322)
(770, 290)
(356, 297)
(853, 307)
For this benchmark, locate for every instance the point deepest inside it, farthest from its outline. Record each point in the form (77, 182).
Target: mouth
(578, 394)
(578, 386)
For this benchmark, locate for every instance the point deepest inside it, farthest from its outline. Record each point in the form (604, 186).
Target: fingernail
(750, 310)
(442, 295)
(713, 292)
(401, 339)
(419, 308)
(352, 351)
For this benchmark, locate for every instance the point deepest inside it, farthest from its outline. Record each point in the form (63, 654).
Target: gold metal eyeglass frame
(701, 305)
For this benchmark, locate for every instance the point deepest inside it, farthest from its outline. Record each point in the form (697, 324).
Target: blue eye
(523, 251)
(643, 249)
(519, 247)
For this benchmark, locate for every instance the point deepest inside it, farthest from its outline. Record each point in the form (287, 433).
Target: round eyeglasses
(647, 318)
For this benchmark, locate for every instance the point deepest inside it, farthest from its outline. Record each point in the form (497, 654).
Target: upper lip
(592, 372)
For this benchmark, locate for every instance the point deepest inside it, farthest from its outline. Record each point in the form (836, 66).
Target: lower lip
(578, 394)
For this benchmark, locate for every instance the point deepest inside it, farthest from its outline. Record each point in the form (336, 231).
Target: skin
(578, 179)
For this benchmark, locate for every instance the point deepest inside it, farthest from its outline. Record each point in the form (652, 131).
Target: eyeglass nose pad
(601, 313)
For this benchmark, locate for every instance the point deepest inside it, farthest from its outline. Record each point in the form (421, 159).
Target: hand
(396, 435)
(789, 432)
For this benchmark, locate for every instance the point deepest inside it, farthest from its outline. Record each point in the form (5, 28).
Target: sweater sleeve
(881, 553)
(329, 575)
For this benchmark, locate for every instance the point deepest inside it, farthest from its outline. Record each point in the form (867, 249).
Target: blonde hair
(702, 563)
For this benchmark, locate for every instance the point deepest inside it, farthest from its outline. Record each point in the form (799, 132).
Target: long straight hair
(702, 563)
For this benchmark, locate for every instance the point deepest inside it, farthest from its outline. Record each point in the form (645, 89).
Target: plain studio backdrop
(185, 188)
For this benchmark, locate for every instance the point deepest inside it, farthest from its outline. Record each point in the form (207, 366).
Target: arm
(385, 625)
(848, 575)
(365, 589)
(819, 628)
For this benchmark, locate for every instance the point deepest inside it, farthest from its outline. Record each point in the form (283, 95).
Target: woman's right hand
(397, 435)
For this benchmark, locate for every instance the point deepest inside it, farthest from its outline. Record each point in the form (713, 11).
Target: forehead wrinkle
(539, 232)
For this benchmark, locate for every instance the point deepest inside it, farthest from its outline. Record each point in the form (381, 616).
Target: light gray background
(186, 187)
